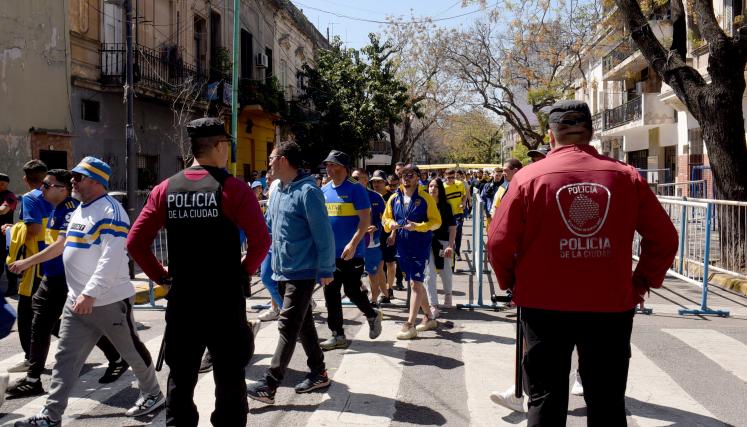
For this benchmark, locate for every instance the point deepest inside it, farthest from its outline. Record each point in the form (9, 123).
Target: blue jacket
(303, 246)
(423, 211)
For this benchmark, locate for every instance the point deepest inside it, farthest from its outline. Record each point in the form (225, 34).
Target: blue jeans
(266, 277)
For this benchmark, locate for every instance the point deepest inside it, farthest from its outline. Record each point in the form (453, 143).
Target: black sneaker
(114, 371)
(313, 382)
(207, 363)
(399, 286)
(262, 392)
(384, 300)
(22, 387)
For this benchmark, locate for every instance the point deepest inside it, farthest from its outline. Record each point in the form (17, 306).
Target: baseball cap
(540, 150)
(256, 184)
(336, 156)
(94, 168)
(378, 175)
(556, 112)
(4, 177)
(207, 127)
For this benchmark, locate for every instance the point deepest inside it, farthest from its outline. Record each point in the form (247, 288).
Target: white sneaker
(21, 366)
(508, 399)
(434, 312)
(4, 378)
(426, 325)
(407, 332)
(269, 314)
(578, 388)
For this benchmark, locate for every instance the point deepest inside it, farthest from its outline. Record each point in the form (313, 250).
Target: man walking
(414, 216)
(8, 203)
(49, 300)
(99, 298)
(34, 214)
(207, 306)
(456, 195)
(388, 252)
(510, 167)
(349, 210)
(586, 208)
(303, 250)
(373, 259)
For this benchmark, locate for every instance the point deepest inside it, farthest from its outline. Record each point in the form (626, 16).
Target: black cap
(336, 156)
(378, 175)
(541, 150)
(4, 177)
(207, 127)
(558, 110)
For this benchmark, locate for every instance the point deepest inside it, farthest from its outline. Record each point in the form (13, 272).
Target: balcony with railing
(618, 54)
(623, 114)
(162, 71)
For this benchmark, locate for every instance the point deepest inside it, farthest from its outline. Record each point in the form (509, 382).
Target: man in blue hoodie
(303, 249)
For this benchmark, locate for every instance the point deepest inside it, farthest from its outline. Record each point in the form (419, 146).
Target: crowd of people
(69, 252)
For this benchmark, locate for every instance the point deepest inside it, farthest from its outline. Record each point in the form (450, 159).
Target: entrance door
(54, 159)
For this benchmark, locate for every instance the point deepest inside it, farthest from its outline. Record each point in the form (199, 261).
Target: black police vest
(204, 245)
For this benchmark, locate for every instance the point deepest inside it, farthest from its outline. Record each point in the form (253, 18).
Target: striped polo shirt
(343, 204)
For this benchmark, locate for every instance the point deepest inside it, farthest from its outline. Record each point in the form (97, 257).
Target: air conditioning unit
(261, 60)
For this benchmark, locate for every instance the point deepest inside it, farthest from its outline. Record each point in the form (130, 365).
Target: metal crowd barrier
(477, 243)
(160, 248)
(694, 221)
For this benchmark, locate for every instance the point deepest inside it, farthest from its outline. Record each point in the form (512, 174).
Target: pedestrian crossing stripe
(722, 349)
(653, 397)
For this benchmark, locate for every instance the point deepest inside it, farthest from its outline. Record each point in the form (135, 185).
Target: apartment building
(637, 117)
(63, 77)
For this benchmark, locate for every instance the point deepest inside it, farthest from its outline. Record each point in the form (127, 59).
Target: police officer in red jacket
(576, 212)
(207, 307)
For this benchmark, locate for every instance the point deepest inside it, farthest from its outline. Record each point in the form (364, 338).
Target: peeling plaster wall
(106, 139)
(34, 84)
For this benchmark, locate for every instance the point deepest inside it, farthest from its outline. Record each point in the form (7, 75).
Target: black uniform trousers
(296, 322)
(218, 323)
(348, 276)
(603, 344)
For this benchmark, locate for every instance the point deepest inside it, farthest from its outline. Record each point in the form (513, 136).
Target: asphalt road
(686, 370)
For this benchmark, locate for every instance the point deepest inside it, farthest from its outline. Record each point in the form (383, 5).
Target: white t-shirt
(95, 255)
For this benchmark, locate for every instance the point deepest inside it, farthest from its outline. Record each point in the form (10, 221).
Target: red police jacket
(562, 236)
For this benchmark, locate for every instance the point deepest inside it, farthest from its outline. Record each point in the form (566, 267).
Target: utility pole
(235, 86)
(130, 154)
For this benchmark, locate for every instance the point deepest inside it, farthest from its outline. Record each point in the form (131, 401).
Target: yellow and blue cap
(95, 169)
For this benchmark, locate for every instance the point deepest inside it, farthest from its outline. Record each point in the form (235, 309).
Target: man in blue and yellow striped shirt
(349, 211)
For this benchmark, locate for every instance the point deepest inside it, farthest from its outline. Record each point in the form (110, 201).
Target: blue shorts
(373, 259)
(413, 268)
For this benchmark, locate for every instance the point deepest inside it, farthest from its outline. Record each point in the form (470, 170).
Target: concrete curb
(731, 283)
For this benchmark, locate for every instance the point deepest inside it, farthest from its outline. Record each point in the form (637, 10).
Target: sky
(345, 18)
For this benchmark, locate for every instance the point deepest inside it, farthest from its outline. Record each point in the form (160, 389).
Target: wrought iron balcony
(625, 113)
(160, 70)
(620, 53)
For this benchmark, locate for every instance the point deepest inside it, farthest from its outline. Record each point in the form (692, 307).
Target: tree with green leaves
(471, 137)
(350, 98)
